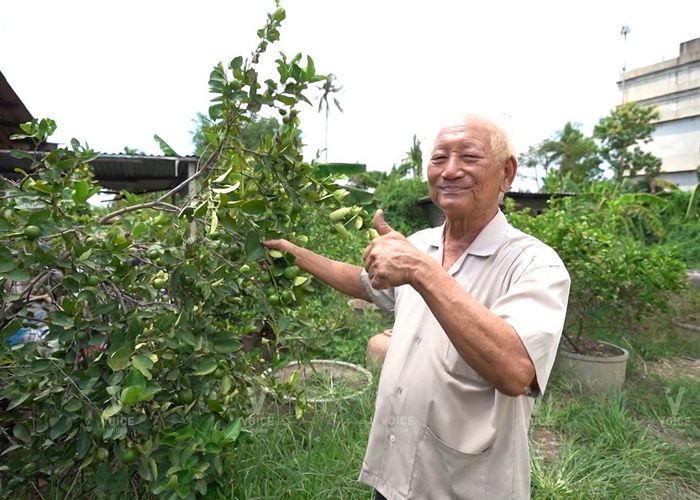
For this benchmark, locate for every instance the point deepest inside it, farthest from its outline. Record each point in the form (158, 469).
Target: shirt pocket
(442, 472)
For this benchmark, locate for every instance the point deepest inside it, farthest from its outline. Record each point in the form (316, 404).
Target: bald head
(501, 146)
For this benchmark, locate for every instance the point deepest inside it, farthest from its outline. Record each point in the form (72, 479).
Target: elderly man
(479, 308)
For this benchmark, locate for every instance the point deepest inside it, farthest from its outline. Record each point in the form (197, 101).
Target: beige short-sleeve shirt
(440, 431)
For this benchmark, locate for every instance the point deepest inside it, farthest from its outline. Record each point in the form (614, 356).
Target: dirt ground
(678, 367)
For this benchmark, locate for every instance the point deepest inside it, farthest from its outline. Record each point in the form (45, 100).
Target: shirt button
(418, 340)
(392, 439)
(399, 390)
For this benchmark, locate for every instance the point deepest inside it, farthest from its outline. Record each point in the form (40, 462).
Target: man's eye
(438, 159)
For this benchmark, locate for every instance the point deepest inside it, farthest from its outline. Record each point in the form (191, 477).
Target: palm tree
(328, 88)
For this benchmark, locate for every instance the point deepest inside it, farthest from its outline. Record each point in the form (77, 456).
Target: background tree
(569, 158)
(251, 135)
(328, 89)
(412, 164)
(621, 135)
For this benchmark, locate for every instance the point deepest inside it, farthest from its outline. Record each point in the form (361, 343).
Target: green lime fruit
(287, 297)
(219, 372)
(129, 456)
(265, 277)
(94, 280)
(185, 396)
(32, 232)
(153, 253)
(81, 335)
(158, 282)
(291, 272)
(102, 454)
(273, 299)
(245, 268)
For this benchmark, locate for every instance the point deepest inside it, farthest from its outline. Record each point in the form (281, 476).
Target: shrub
(399, 200)
(136, 381)
(615, 278)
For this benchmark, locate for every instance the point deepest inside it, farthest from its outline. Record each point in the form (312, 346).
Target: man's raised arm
(342, 276)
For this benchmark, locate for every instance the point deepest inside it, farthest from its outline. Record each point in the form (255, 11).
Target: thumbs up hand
(391, 260)
(380, 224)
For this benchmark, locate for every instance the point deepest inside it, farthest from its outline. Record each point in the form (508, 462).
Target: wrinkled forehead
(470, 133)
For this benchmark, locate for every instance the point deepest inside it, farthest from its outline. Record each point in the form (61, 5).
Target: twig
(75, 385)
(37, 281)
(119, 295)
(37, 490)
(160, 200)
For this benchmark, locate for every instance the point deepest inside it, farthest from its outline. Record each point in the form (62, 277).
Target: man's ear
(510, 168)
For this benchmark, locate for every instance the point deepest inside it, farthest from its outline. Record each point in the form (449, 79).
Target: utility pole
(624, 32)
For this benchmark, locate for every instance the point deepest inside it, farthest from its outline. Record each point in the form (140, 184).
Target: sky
(113, 74)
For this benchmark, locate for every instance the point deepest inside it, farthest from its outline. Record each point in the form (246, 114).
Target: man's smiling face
(465, 174)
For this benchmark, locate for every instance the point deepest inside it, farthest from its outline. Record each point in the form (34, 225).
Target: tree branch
(160, 200)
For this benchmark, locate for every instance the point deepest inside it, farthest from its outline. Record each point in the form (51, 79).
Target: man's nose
(453, 168)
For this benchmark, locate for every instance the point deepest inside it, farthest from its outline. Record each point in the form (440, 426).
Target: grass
(642, 442)
(316, 456)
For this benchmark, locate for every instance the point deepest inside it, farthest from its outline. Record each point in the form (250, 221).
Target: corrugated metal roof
(116, 172)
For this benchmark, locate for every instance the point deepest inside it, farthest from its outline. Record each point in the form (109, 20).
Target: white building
(674, 88)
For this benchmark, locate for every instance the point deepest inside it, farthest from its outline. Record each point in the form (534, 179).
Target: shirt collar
(485, 243)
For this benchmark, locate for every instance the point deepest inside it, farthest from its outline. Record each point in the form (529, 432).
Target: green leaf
(62, 319)
(18, 153)
(232, 430)
(131, 395)
(16, 275)
(285, 99)
(16, 402)
(120, 359)
(81, 192)
(236, 64)
(253, 247)
(21, 432)
(143, 364)
(60, 428)
(300, 280)
(276, 254)
(164, 146)
(326, 169)
(73, 405)
(139, 229)
(6, 266)
(227, 189)
(254, 207)
(214, 222)
(205, 367)
(110, 411)
(135, 377)
(310, 67)
(226, 345)
(82, 444)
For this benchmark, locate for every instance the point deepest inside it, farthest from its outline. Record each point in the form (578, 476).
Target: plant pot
(377, 347)
(685, 324)
(594, 373)
(359, 306)
(344, 381)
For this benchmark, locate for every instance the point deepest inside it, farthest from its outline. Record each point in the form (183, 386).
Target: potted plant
(615, 280)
